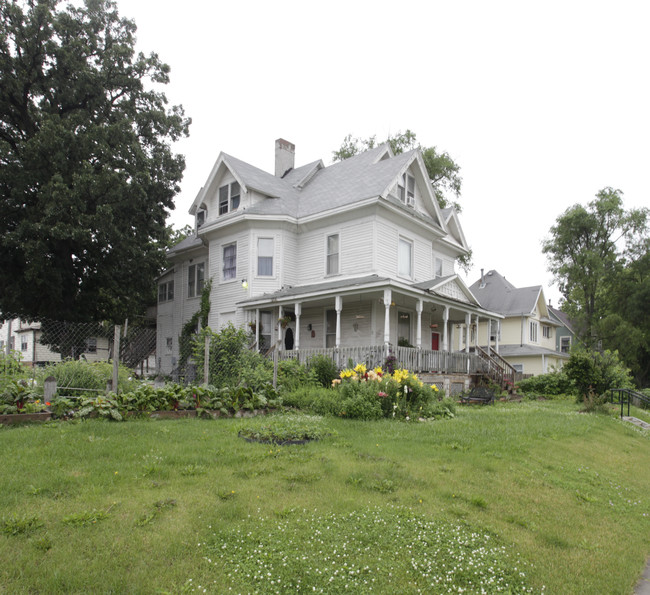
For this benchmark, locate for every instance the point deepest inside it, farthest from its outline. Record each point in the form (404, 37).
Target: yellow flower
(360, 369)
(378, 370)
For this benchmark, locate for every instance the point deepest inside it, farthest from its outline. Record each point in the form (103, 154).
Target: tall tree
(443, 171)
(87, 174)
(588, 248)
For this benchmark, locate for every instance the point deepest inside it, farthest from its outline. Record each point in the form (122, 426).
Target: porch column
(387, 299)
(445, 324)
(496, 336)
(468, 324)
(338, 305)
(257, 329)
(297, 308)
(278, 335)
(418, 328)
(476, 335)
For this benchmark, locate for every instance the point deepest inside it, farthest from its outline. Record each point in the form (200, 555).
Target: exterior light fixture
(244, 284)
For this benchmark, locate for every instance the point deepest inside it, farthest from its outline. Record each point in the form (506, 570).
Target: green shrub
(79, 374)
(324, 369)
(360, 400)
(319, 400)
(231, 362)
(292, 374)
(547, 385)
(593, 373)
(11, 367)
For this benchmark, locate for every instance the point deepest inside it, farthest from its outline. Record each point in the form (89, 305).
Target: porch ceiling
(365, 289)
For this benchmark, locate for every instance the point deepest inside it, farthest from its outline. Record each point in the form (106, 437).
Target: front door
(435, 341)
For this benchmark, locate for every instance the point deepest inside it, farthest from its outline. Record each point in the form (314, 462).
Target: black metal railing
(629, 396)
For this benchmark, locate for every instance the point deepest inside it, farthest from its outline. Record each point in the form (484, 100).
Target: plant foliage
(87, 174)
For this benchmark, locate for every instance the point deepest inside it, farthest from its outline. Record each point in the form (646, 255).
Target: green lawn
(534, 497)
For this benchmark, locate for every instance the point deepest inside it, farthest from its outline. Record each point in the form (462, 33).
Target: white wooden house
(530, 335)
(356, 258)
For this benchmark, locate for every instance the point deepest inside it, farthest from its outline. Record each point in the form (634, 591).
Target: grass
(532, 497)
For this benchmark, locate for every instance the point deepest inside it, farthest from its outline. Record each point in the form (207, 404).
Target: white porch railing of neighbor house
(415, 360)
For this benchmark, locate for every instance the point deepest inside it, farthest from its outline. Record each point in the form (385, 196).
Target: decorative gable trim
(217, 171)
(454, 228)
(415, 166)
(451, 287)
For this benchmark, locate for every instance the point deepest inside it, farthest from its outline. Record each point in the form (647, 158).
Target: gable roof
(314, 189)
(496, 293)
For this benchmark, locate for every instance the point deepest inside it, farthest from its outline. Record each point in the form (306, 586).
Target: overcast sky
(542, 104)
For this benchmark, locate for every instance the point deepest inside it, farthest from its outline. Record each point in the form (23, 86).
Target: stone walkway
(637, 422)
(643, 586)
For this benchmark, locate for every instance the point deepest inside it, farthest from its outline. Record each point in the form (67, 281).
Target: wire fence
(36, 346)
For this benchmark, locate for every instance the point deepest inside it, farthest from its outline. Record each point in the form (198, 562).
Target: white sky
(542, 104)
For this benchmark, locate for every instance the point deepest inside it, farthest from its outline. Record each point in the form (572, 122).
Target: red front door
(435, 341)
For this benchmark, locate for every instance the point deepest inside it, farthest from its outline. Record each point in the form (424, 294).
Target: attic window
(406, 190)
(200, 218)
(229, 196)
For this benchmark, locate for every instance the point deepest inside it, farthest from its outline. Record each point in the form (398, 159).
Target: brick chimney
(285, 157)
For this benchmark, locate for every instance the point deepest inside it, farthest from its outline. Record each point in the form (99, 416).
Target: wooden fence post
(49, 388)
(116, 357)
(206, 360)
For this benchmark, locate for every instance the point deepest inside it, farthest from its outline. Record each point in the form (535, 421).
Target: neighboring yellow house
(526, 337)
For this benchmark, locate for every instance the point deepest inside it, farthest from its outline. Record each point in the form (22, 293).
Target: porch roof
(529, 351)
(368, 283)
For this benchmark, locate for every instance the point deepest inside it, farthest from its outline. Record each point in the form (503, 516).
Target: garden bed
(21, 418)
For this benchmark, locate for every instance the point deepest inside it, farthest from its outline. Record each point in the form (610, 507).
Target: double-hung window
(166, 291)
(265, 257)
(565, 344)
(406, 189)
(229, 261)
(533, 332)
(546, 331)
(405, 258)
(438, 267)
(332, 267)
(195, 279)
(229, 197)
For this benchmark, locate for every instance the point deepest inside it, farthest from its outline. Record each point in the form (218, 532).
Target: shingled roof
(494, 292)
(313, 188)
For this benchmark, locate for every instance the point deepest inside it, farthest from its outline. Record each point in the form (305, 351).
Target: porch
(410, 358)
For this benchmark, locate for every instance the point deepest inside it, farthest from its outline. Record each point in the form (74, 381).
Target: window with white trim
(91, 345)
(23, 343)
(265, 257)
(169, 344)
(230, 261)
(532, 331)
(166, 291)
(546, 331)
(406, 189)
(332, 267)
(405, 258)
(330, 328)
(195, 279)
(565, 344)
(229, 197)
(438, 267)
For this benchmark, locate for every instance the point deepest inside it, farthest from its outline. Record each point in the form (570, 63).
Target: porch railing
(415, 360)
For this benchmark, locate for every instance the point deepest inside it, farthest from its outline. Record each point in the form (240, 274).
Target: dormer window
(406, 189)
(200, 218)
(229, 196)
